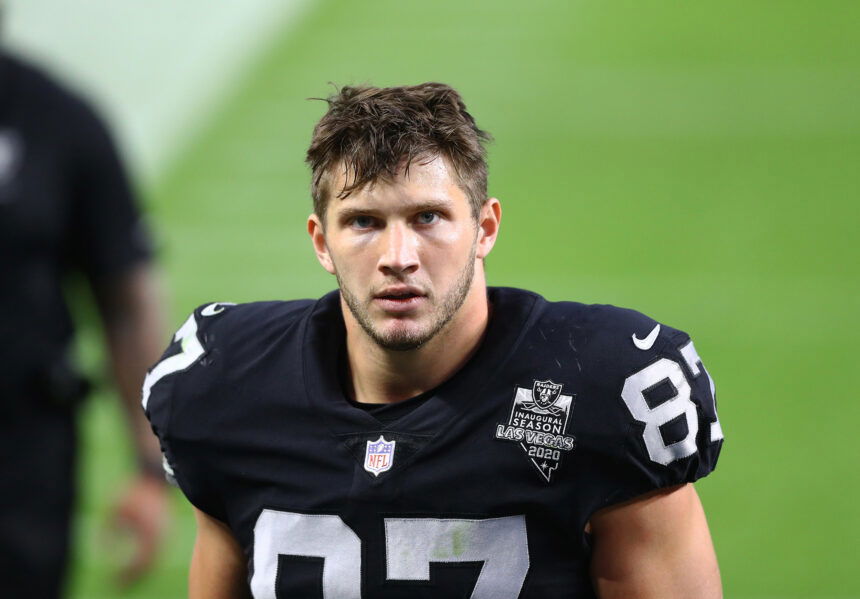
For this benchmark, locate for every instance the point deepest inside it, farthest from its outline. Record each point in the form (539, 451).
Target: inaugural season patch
(538, 422)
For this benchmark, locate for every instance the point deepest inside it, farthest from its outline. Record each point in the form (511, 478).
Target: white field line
(157, 68)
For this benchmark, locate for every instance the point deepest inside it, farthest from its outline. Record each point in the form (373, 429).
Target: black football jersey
(483, 490)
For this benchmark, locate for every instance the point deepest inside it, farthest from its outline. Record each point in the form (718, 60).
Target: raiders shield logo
(545, 393)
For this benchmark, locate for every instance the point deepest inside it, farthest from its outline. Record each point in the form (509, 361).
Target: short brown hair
(375, 132)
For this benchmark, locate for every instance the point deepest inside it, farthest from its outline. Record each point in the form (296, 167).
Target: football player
(416, 433)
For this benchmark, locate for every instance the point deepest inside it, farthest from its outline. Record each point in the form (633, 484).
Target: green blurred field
(696, 161)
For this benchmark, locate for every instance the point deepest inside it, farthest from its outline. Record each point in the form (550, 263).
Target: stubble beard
(410, 339)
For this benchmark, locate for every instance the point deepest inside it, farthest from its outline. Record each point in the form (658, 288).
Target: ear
(317, 233)
(488, 227)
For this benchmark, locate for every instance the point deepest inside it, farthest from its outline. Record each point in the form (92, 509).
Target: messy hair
(374, 133)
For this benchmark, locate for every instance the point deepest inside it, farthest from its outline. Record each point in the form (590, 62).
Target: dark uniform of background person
(66, 207)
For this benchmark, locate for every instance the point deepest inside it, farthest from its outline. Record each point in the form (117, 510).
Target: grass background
(696, 161)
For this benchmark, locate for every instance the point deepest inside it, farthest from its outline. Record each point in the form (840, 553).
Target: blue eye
(427, 218)
(362, 222)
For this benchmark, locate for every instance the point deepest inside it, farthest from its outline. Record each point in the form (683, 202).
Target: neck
(378, 375)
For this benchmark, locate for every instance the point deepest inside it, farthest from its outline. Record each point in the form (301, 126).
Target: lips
(399, 299)
(399, 293)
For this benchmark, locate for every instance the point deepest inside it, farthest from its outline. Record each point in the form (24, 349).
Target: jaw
(429, 320)
(399, 373)
(463, 302)
(386, 328)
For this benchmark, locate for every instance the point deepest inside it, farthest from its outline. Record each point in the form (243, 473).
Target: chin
(400, 338)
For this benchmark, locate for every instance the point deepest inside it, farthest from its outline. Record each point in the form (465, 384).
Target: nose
(399, 250)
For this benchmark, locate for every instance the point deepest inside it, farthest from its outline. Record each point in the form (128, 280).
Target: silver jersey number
(679, 404)
(411, 545)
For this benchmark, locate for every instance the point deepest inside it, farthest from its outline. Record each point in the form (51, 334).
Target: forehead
(424, 180)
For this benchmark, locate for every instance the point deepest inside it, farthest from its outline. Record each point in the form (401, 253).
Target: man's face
(404, 253)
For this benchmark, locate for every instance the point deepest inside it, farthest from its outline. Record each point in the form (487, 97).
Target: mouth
(400, 299)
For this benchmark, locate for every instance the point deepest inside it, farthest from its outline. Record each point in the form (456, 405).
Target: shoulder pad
(182, 391)
(214, 333)
(185, 349)
(649, 402)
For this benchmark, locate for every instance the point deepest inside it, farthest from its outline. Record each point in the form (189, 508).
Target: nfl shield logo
(545, 393)
(379, 456)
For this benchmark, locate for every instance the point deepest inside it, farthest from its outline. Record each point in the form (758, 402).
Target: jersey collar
(513, 312)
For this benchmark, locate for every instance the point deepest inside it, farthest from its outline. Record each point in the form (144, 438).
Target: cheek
(353, 253)
(447, 250)
(362, 252)
(450, 235)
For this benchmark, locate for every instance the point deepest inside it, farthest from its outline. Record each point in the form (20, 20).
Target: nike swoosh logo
(646, 343)
(216, 308)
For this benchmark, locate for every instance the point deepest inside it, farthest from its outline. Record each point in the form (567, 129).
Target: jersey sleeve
(109, 236)
(175, 392)
(652, 404)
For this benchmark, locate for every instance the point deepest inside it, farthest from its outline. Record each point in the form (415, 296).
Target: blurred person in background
(66, 207)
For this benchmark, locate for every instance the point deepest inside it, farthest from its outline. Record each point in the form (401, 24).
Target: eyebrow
(350, 212)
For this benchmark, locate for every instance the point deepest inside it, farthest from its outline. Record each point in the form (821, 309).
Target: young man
(417, 434)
